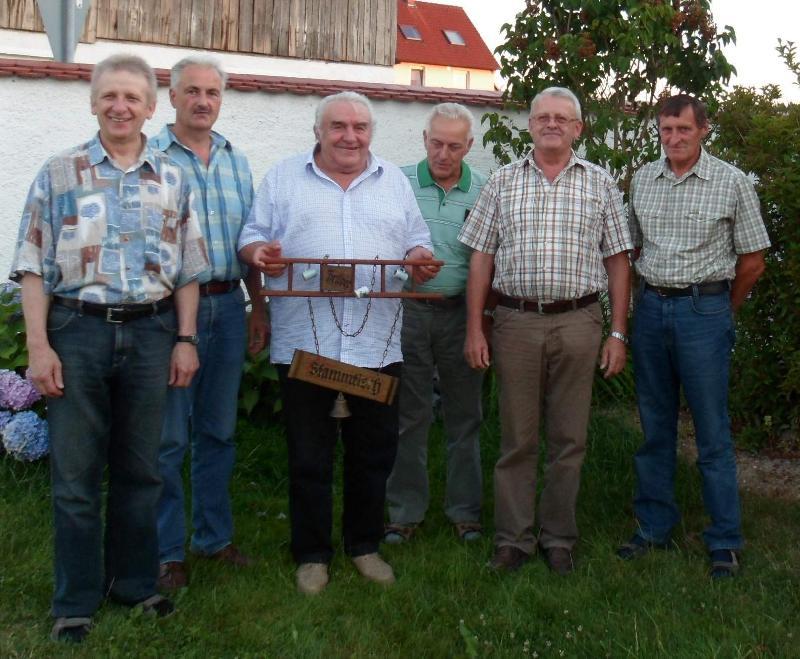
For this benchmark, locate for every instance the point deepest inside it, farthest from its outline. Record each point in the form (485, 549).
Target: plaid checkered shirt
(692, 228)
(549, 238)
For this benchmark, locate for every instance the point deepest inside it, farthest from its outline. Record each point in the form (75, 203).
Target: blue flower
(16, 393)
(5, 417)
(25, 437)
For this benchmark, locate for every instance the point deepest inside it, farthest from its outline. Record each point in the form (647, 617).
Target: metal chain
(341, 329)
(391, 334)
(313, 324)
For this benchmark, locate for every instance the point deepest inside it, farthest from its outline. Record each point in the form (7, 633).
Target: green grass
(446, 602)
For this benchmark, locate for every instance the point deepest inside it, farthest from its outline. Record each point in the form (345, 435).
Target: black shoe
(559, 560)
(637, 546)
(724, 563)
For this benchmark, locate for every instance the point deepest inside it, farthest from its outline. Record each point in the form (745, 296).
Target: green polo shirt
(445, 213)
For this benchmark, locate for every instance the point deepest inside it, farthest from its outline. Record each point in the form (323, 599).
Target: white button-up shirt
(377, 216)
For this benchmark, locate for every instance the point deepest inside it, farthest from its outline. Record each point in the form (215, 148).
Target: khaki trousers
(545, 367)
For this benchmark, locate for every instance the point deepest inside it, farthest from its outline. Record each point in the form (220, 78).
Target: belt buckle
(110, 315)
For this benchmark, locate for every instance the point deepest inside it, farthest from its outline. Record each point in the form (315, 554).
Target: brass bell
(340, 409)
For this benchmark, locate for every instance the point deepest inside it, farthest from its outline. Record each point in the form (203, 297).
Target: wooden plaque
(348, 379)
(338, 278)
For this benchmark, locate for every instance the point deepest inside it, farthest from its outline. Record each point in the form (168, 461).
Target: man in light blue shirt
(204, 415)
(433, 338)
(341, 201)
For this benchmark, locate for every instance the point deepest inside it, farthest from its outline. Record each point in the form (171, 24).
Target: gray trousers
(434, 336)
(545, 368)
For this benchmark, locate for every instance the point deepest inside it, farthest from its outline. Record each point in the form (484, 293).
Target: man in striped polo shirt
(433, 337)
(205, 413)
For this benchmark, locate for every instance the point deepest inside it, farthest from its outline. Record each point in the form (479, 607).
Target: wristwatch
(620, 336)
(188, 338)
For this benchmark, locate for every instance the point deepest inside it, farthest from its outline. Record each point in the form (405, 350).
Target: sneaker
(559, 560)
(172, 576)
(468, 531)
(312, 578)
(397, 534)
(374, 568)
(637, 546)
(508, 559)
(157, 605)
(71, 630)
(724, 563)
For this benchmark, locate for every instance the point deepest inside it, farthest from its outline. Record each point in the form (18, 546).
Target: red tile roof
(270, 84)
(434, 48)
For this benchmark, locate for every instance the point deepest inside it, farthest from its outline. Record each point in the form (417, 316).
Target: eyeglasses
(546, 119)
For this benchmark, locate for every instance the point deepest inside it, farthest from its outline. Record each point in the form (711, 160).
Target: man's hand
(612, 357)
(476, 350)
(258, 329)
(44, 371)
(422, 273)
(183, 364)
(270, 250)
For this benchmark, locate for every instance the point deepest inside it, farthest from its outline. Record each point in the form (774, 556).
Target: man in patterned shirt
(433, 336)
(109, 252)
(205, 413)
(340, 200)
(552, 226)
(700, 243)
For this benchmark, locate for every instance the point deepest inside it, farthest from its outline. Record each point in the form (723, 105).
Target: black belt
(708, 288)
(119, 313)
(219, 287)
(560, 306)
(442, 302)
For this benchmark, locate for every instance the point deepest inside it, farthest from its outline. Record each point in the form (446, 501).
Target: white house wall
(39, 117)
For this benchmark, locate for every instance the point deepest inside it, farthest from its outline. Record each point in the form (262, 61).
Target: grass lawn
(446, 602)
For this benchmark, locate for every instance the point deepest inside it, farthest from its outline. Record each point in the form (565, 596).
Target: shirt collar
(374, 164)
(573, 160)
(97, 153)
(166, 138)
(425, 178)
(701, 169)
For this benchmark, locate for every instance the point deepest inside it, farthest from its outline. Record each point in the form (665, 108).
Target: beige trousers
(545, 366)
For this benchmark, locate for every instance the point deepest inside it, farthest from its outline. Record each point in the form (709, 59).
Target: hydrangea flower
(25, 437)
(5, 417)
(16, 393)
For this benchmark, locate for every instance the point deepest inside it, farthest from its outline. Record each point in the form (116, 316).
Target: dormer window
(454, 37)
(411, 32)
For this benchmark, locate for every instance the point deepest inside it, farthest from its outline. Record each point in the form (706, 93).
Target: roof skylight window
(411, 32)
(454, 37)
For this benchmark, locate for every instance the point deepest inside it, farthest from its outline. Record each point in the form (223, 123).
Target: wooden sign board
(348, 379)
(338, 278)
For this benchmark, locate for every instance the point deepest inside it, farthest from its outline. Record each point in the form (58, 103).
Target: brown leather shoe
(232, 556)
(508, 558)
(559, 560)
(172, 576)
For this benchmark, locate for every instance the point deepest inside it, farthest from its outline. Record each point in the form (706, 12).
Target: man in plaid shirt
(700, 244)
(552, 227)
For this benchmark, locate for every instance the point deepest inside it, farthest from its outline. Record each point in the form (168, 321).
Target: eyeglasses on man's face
(547, 119)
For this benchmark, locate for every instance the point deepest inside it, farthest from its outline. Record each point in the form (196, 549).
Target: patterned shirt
(95, 232)
(445, 213)
(549, 239)
(691, 228)
(311, 216)
(223, 196)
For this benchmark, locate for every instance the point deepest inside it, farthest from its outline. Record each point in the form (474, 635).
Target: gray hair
(559, 92)
(451, 111)
(349, 97)
(124, 62)
(206, 61)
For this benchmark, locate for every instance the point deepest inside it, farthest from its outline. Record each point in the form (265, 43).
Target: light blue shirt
(312, 217)
(223, 195)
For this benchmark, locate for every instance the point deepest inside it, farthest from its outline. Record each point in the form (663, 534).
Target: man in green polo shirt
(433, 338)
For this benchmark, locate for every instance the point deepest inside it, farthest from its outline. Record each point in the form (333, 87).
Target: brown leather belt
(560, 306)
(116, 313)
(219, 287)
(708, 288)
(442, 302)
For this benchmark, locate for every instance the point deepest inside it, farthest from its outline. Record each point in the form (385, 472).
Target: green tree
(618, 56)
(761, 135)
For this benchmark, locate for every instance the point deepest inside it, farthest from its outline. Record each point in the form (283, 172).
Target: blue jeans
(434, 336)
(685, 341)
(205, 415)
(115, 383)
